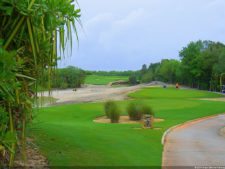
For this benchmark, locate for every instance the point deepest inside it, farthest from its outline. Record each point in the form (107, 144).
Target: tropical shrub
(31, 34)
(3, 129)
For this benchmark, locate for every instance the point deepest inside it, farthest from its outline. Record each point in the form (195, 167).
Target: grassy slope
(67, 135)
(103, 80)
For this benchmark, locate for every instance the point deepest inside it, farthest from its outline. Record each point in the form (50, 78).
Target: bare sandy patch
(34, 158)
(94, 93)
(141, 128)
(123, 120)
(91, 93)
(221, 99)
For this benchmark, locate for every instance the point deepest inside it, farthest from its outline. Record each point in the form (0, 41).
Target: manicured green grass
(172, 93)
(103, 80)
(68, 136)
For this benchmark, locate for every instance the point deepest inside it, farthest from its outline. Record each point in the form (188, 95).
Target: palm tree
(31, 33)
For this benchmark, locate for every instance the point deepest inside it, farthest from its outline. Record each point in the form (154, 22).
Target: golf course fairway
(67, 135)
(103, 80)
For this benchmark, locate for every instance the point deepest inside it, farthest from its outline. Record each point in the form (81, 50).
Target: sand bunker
(123, 120)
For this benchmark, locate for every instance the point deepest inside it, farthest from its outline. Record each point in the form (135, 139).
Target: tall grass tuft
(107, 107)
(147, 110)
(112, 111)
(136, 110)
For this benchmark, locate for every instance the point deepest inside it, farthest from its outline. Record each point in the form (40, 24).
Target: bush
(133, 80)
(134, 111)
(145, 109)
(107, 107)
(114, 114)
(137, 110)
(112, 111)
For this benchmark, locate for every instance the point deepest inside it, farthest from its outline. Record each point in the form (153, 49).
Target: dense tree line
(200, 66)
(69, 77)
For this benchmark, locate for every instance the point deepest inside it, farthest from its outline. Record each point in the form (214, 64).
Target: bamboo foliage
(29, 33)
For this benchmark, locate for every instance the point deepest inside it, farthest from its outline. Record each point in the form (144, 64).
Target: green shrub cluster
(107, 106)
(145, 109)
(112, 111)
(69, 77)
(137, 110)
(134, 111)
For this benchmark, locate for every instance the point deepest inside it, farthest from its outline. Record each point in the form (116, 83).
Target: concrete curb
(163, 140)
(165, 134)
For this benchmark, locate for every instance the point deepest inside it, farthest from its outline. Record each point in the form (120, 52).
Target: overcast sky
(124, 34)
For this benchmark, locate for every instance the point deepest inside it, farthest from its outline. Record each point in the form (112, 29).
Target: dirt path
(196, 144)
(92, 93)
(95, 93)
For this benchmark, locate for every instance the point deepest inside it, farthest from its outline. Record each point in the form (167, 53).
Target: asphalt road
(196, 144)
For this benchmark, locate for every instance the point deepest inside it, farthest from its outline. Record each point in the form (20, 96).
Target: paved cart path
(196, 144)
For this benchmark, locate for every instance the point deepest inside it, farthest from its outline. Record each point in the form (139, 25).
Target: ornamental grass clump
(112, 111)
(147, 110)
(107, 106)
(136, 110)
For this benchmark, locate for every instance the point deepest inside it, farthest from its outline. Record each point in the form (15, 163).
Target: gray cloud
(121, 35)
